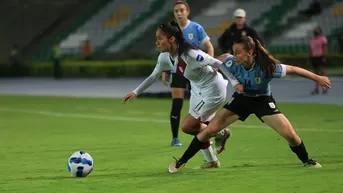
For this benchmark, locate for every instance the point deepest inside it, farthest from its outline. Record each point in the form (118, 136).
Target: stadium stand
(127, 26)
(23, 21)
(214, 16)
(139, 28)
(74, 17)
(107, 24)
(147, 40)
(296, 38)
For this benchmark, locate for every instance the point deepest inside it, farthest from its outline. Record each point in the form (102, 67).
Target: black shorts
(179, 81)
(318, 62)
(243, 106)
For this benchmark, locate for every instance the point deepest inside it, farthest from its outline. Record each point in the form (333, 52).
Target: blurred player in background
(254, 67)
(237, 30)
(195, 35)
(319, 50)
(209, 87)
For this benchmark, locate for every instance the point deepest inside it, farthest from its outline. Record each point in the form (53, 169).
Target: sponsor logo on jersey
(200, 58)
(228, 63)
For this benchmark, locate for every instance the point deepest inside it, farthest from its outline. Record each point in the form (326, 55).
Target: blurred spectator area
(116, 26)
(25, 20)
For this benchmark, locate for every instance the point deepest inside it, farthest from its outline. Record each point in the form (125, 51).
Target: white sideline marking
(135, 119)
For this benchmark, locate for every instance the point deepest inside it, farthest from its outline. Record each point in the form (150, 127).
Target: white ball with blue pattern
(80, 164)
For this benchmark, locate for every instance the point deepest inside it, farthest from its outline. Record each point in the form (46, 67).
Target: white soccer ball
(80, 164)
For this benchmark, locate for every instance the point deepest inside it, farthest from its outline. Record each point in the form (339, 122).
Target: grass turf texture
(130, 147)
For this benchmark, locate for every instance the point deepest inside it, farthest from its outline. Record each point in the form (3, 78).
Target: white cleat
(312, 163)
(220, 140)
(175, 166)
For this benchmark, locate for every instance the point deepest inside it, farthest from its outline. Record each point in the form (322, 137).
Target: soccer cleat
(312, 163)
(176, 166)
(207, 165)
(220, 140)
(176, 142)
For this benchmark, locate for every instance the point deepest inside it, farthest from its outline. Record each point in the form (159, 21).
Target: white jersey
(195, 65)
(209, 88)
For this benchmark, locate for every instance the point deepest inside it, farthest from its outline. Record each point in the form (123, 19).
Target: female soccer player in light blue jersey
(254, 67)
(194, 34)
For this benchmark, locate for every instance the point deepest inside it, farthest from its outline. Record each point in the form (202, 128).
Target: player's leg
(268, 112)
(222, 119)
(237, 108)
(178, 86)
(201, 109)
(284, 128)
(193, 125)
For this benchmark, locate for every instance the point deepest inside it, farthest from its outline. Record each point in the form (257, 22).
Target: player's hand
(324, 82)
(239, 88)
(128, 97)
(165, 78)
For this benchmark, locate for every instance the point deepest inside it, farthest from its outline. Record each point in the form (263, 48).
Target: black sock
(192, 149)
(175, 116)
(301, 152)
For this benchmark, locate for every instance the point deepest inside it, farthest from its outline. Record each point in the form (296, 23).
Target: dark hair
(261, 55)
(317, 31)
(183, 3)
(173, 29)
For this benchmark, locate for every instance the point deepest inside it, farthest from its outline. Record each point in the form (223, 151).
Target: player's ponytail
(173, 29)
(261, 55)
(265, 59)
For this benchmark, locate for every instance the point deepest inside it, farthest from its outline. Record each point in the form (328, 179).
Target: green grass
(38, 134)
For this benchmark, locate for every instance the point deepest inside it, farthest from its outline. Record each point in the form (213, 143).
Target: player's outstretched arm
(322, 80)
(143, 86)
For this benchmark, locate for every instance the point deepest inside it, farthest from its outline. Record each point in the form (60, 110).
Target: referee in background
(238, 29)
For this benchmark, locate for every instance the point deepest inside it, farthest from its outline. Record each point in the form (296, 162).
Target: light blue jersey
(254, 80)
(194, 34)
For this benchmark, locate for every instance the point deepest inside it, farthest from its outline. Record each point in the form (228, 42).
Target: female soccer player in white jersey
(195, 35)
(208, 86)
(254, 67)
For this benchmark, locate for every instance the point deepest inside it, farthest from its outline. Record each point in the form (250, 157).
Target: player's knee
(185, 128)
(190, 129)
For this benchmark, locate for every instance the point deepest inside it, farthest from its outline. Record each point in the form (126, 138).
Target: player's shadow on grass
(41, 178)
(162, 172)
(249, 165)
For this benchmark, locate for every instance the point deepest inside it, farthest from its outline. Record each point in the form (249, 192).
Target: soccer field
(130, 147)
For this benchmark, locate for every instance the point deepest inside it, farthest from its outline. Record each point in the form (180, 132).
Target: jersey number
(199, 105)
(181, 66)
(247, 83)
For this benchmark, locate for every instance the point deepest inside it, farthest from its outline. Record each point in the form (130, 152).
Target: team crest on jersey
(190, 36)
(258, 80)
(244, 33)
(200, 58)
(272, 105)
(228, 63)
